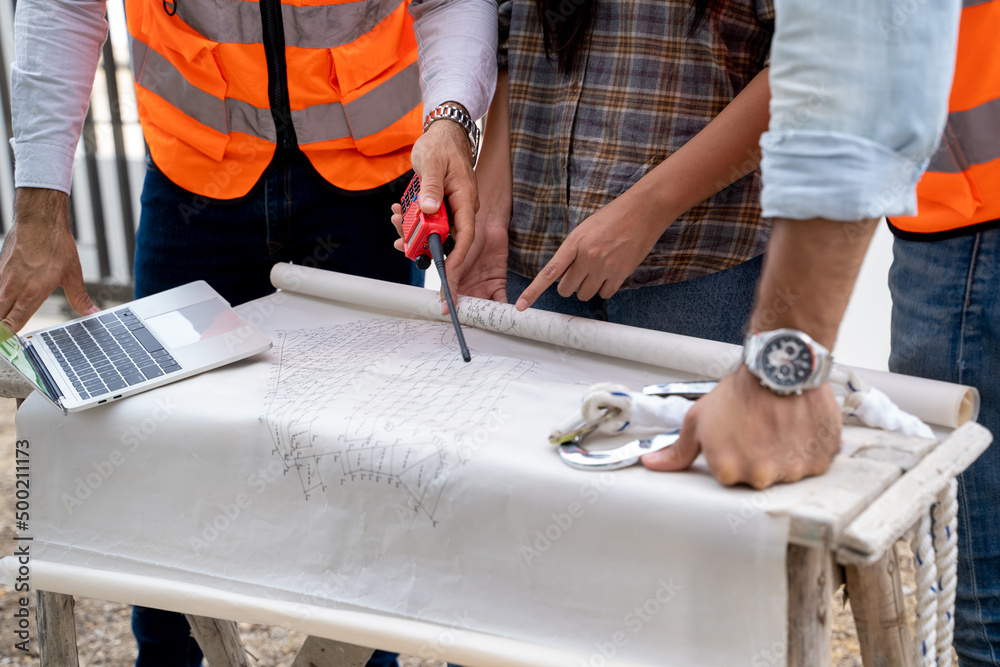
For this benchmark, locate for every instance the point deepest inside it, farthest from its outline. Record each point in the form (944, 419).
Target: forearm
(457, 41)
(809, 273)
(56, 48)
(493, 172)
(726, 150)
(40, 206)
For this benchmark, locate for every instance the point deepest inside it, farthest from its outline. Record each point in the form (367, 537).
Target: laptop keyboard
(108, 353)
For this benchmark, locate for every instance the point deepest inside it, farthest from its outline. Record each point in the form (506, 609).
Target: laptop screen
(13, 351)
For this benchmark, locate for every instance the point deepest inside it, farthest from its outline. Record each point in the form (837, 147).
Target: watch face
(787, 361)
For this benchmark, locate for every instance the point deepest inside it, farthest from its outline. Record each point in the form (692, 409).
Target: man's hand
(748, 433)
(752, 436)
(39, 255)
(601, 252)
(484, 272)
(442, 157)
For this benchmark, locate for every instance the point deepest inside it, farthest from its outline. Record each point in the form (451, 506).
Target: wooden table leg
(56, 630)
(318, 652)
(880, 613)
(810, 607)
(219, 641)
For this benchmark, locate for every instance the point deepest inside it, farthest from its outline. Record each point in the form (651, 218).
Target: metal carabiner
(571, 434)
(614, 459)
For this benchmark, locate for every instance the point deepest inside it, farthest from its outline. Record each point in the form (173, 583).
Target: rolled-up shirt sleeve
(458, 43)
(57, 45)
(859, 98)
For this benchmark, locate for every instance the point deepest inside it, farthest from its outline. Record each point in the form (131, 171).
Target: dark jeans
(946, 326)
(291, 215)
(716, 306)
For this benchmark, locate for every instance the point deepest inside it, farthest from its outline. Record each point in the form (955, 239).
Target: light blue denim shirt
(859, 98)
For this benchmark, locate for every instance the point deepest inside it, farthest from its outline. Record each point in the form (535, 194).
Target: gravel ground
(104, 635)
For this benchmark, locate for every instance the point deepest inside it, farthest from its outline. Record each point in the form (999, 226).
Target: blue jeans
(716, 307)
(946, 326)
(291, 215)
(859, 96)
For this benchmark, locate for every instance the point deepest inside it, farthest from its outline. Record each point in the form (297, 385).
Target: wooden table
(841, 534)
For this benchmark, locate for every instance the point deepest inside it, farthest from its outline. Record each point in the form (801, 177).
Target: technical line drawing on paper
(378, 401)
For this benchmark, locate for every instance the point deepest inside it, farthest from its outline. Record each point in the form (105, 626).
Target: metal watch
(787, 361)
(456, 113)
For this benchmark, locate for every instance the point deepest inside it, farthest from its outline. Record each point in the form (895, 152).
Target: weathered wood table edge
(854, 529)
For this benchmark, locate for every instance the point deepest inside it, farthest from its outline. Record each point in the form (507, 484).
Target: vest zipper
(277, 73)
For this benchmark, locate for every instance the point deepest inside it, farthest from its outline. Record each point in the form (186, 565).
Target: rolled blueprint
(703, 358)
(935, 402)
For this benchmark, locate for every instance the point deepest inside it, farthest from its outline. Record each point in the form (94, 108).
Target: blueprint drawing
(377, 401)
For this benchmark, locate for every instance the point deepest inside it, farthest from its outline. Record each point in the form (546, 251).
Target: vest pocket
(179, 83)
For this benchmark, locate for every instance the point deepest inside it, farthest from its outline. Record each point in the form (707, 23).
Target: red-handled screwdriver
(424, 239)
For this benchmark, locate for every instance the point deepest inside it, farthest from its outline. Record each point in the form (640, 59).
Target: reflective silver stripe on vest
(308, 27)
(159, 76)
(973, 3)
(971, 137)
(369, 114)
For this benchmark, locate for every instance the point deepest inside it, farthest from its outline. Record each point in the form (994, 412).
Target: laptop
(131, 348)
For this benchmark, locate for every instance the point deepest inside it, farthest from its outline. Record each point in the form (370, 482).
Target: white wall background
(864, 333)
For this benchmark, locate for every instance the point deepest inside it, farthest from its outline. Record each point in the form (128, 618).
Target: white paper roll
(934, 402)
(705, 358)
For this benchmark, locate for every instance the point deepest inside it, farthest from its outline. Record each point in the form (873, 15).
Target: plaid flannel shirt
(641, 87)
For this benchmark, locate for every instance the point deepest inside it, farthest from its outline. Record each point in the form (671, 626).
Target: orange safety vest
(962, 184)
(201, 81)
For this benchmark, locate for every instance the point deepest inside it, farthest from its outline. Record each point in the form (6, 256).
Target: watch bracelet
(453, 112)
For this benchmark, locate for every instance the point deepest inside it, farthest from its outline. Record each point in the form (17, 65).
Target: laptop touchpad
(194, 323)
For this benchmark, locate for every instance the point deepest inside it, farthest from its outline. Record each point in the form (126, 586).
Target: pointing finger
(550, 273)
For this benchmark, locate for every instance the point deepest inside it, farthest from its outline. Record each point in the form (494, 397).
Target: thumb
(681, 454)
(431, 193)
(77, 295)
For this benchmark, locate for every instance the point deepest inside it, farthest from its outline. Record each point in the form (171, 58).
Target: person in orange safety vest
(945, 284)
